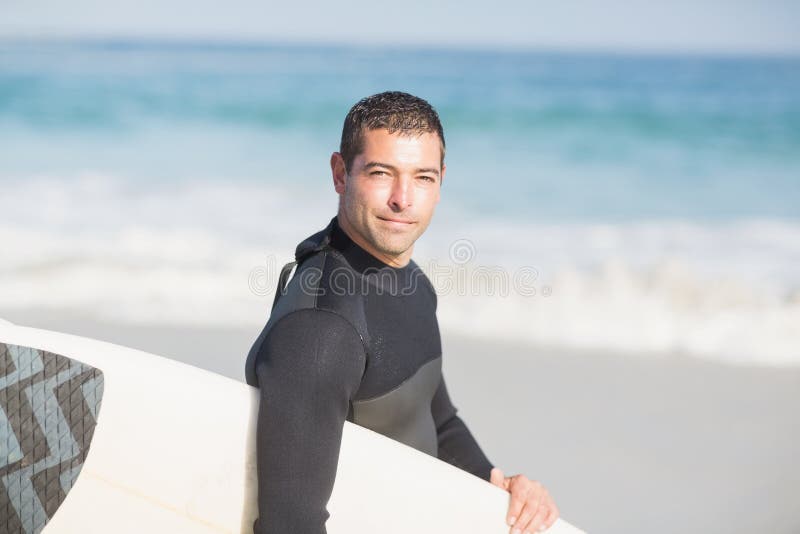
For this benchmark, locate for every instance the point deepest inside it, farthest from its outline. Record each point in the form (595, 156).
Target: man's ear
(441, 182)
(339, 172)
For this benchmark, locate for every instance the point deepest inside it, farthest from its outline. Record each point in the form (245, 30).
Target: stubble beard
(381, 239)
(391, 243)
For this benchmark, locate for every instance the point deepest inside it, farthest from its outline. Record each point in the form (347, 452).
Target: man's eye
(379, 173)
(428, 178)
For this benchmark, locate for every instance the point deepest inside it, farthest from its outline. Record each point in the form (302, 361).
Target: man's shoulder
(304, 331)
(314, 322)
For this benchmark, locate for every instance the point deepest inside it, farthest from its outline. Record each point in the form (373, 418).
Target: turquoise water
(533, 135)
(655, 197)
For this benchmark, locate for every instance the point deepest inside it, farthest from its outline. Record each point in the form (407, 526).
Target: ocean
(647, 204)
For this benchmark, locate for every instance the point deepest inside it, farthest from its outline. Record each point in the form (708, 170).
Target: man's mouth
(396, 221)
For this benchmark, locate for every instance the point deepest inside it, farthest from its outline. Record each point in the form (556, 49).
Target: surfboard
(98, 438)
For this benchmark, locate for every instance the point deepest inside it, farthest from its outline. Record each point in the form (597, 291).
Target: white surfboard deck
(173, 451)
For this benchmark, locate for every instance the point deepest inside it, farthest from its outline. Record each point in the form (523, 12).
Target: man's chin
(393, 247)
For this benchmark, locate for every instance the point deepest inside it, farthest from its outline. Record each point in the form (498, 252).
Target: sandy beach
(625, 443)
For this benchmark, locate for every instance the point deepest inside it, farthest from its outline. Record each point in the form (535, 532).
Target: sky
(730, 26)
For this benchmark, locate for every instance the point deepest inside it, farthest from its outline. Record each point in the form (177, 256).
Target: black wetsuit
(350, 338)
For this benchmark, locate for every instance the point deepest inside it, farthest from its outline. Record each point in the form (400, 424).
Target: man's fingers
(518, 498)
(536, 507)
(531, 508)
(546, 516)
(553, 514)
(537, 521)
(523, 524)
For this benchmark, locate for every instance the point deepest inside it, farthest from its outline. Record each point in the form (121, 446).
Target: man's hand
(531, 508)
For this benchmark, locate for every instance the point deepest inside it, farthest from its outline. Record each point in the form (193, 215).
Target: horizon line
(228, 41)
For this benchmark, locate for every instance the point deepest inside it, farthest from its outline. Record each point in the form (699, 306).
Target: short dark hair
(392, 110)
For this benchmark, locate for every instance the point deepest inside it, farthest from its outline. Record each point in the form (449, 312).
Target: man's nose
(402, 196)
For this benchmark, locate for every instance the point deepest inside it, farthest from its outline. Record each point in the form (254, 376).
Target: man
(354, 336)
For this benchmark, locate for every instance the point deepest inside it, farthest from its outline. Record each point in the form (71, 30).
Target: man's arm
(308, 366)
(457, 446)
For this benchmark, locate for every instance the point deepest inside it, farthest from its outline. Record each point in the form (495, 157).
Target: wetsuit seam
(329, 252)
(345, 319)
(316, 293)
(398, 386)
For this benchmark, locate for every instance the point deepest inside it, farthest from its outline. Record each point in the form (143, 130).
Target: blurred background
(159, 161)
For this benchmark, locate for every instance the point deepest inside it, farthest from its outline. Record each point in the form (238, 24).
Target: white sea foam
(208, 254)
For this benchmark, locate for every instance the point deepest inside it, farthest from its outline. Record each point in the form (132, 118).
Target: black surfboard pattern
(48, 412)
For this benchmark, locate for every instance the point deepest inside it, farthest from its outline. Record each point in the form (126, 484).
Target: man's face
(388, 197)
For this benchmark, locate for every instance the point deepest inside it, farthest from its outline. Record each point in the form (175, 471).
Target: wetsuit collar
(333, 237)
(315, 243)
